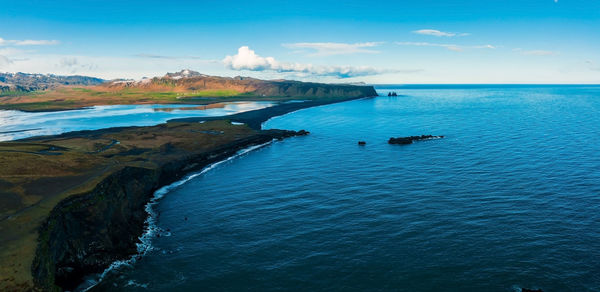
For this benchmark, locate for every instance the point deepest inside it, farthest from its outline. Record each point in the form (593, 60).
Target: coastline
(151, 230)
(44, 268)
(254, 119)
(127, 193)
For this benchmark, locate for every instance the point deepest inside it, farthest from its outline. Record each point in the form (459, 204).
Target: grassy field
(77, 97)
(36, 175)
(15, 93)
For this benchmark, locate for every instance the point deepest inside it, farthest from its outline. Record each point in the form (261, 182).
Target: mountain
(24, 82)
(192, 82)
(37, 92)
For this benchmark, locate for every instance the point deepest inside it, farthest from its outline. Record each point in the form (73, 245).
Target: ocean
(510, 198)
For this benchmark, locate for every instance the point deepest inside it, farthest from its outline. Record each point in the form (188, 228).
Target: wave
(151, 229)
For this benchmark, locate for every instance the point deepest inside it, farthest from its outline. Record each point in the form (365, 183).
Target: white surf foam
(151, 229)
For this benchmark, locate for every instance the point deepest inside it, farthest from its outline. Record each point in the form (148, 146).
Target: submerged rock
(362, 143)
(531, 290)
(411, 139)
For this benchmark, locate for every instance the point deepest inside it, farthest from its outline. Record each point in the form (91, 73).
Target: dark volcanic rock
(531, 290)
(302, 133)
(411, 139)
(362, 143)
(84, 234)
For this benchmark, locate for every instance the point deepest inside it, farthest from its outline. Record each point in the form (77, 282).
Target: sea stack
(411, 139)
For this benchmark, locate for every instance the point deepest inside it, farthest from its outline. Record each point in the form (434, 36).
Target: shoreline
(67, 250)
(151, 229)
(43, 268)
(254, 119)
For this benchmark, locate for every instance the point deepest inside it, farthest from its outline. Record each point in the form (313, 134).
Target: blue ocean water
(18, 124)
(510, 198)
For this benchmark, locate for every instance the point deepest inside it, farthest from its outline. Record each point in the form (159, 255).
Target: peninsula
(72, 204)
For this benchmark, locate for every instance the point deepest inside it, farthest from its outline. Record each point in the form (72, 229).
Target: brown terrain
(37, 174)
(182, 87)
(71, 204)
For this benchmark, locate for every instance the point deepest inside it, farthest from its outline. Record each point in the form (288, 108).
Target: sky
(385, 42)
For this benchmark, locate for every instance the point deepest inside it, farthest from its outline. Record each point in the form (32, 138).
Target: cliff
(74, 203)
(84, 234)
(187, 81)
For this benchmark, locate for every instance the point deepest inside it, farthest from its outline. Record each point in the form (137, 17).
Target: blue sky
(426, 41)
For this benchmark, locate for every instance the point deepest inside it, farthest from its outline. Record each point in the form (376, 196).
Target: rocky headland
(72, 204)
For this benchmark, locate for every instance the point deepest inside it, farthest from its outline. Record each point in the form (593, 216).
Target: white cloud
(68, 62)
(11, 52)
(37, 42)
(247, 59)
(329, 49)
(73, 65)
(592, 66)
(438, 33)
(4, 61)
(483, 47)
(4, 42)
(451, 47)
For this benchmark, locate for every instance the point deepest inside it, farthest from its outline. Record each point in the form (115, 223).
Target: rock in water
(362, 143)
(411, 139)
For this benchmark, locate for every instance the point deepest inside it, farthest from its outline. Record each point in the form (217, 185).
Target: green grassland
(35, 175)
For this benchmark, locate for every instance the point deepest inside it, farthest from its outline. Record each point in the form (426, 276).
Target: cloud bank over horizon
(4, 42)
(247, 59)
(451, 47)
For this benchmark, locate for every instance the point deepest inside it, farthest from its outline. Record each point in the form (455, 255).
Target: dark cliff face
(312, 90)
(84, 234)
(249, 86)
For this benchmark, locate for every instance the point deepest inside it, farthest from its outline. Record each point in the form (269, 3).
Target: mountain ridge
(27, 82)
(39, 92)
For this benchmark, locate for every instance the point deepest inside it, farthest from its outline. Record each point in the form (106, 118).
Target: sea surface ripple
(510, 198)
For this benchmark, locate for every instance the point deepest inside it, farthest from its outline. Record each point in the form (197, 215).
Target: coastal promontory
(72, 204)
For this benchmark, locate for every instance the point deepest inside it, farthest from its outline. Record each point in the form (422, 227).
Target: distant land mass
(37, 92)
(13, 83)
(72, 204)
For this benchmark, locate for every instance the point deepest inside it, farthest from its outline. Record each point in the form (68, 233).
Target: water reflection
(18, 124)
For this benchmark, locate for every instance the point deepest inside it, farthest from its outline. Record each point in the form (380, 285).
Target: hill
(24, 82)
(185, 86)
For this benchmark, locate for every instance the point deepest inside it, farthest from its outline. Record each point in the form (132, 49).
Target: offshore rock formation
(411, 139)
